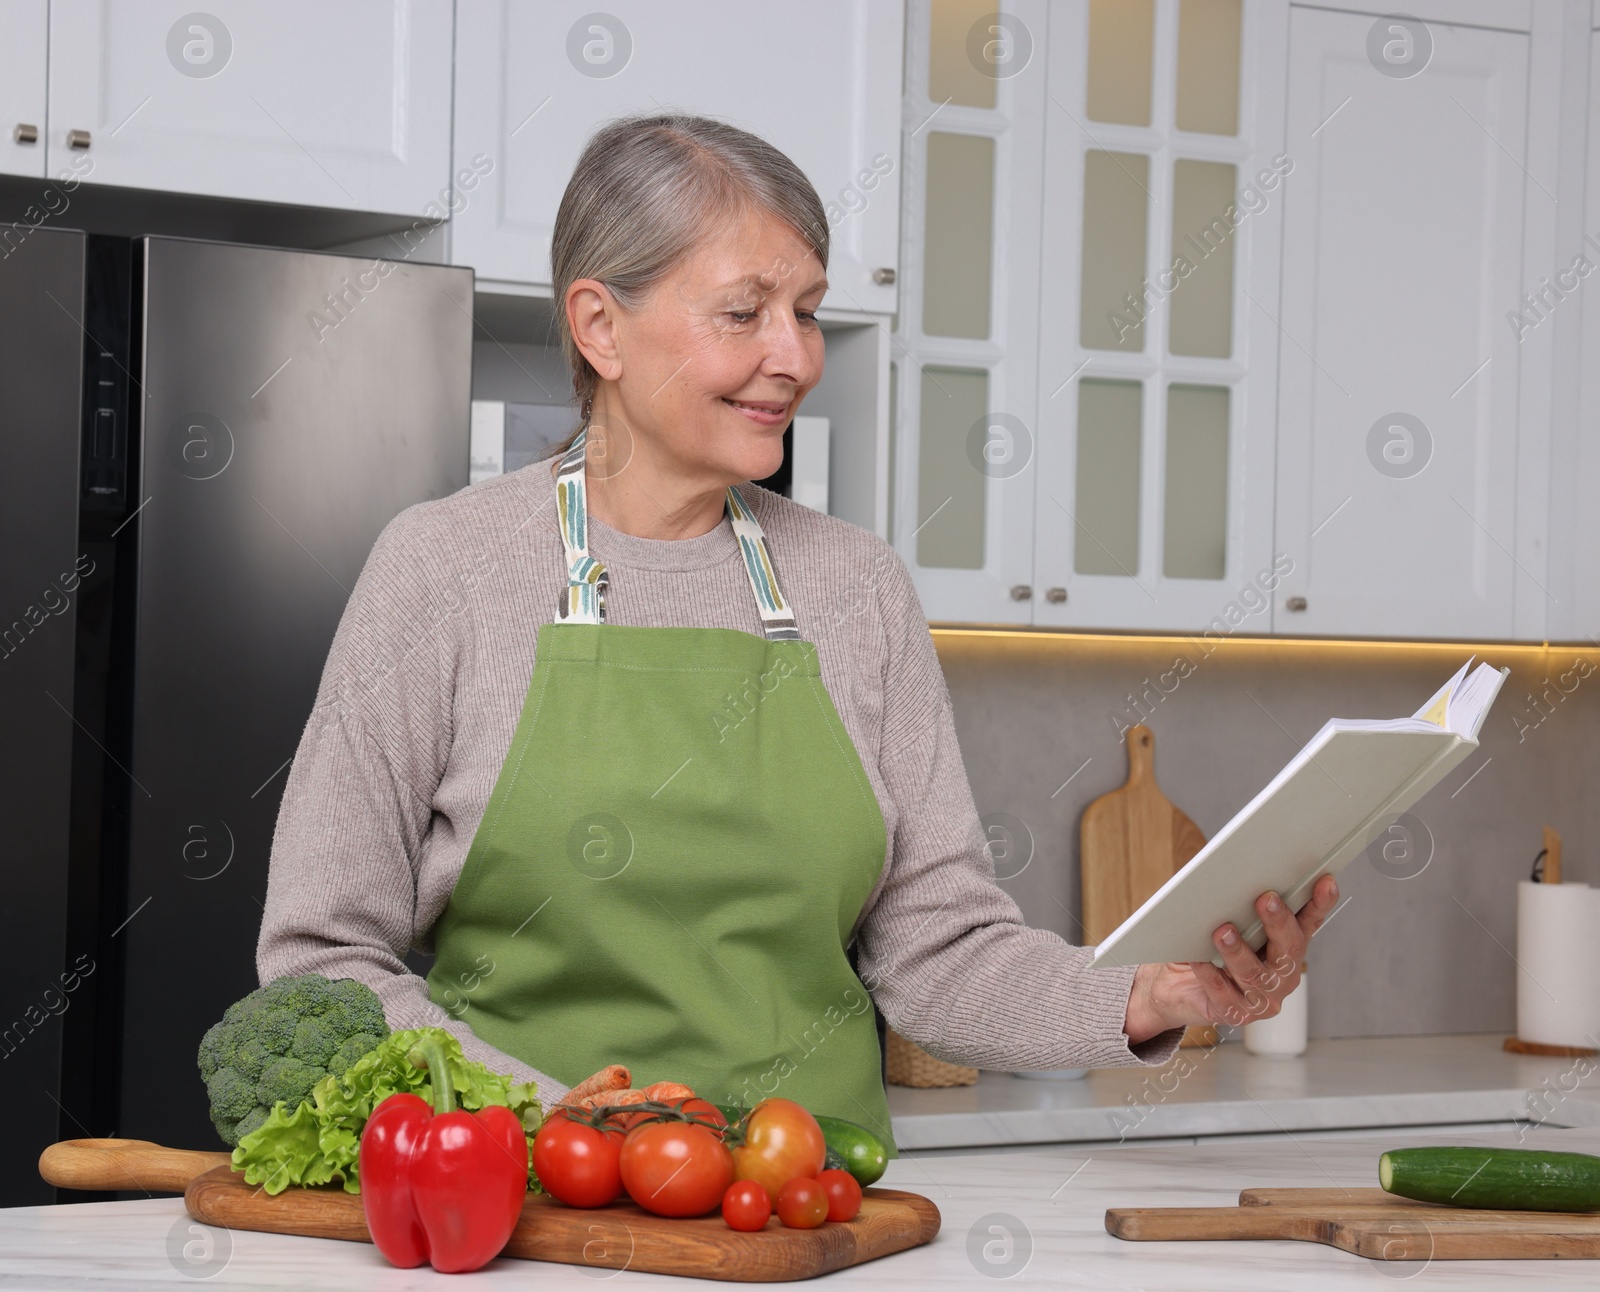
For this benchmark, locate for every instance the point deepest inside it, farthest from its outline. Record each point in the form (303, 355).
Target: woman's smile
(762, 412)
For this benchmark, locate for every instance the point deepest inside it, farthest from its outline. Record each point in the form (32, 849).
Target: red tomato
(704, 1108)
(577, 1164)
(802, 1204)
(844, 1194)
(782, 1141)
(675, 1169)
(746, 1207)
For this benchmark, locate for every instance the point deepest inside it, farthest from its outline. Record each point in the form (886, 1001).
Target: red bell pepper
(439, 1184)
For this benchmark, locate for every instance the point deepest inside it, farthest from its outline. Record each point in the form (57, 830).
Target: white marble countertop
(1051, 1203)
(1378, 1082)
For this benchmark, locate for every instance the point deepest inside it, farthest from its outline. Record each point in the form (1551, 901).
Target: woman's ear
(592, 315)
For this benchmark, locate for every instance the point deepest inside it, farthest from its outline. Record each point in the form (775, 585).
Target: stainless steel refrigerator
(199, 443)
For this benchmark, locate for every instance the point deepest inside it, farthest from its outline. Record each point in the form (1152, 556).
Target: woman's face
(712, 366)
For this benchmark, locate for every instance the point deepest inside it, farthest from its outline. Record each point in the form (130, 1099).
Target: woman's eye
(741, 316)
(806, 316)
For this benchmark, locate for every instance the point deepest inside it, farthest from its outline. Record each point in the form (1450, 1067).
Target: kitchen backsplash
(1039, 719)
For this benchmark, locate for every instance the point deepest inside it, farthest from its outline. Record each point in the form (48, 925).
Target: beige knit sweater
(421, 693)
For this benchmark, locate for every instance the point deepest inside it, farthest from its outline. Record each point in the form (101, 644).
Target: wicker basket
(910, 1065)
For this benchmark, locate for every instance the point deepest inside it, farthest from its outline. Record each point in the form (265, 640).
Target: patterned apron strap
(584, 601)
(777, 619)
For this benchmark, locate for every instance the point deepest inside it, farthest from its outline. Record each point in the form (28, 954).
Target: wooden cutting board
(1370, 1223)
(621, 1236)
(1130, 842)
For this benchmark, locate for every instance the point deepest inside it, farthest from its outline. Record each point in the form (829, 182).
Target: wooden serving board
(621, 1236)
(1370, 1223)
(1130, 842)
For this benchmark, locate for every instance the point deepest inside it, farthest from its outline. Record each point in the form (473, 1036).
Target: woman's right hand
(1248, 987)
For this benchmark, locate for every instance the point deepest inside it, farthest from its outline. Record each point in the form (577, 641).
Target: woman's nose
(791, 353)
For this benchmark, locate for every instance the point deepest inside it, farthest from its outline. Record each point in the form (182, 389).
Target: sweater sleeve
(944, 949)
(353, 824)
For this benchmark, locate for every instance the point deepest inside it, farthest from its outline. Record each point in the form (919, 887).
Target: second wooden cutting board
(1370, 1223)
(1130, 842)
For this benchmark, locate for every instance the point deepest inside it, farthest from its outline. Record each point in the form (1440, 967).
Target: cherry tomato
(577, 1164)
(844, 1194)
(746, 1207)
(675, 1169)
(782, 1141)
(802, 1204)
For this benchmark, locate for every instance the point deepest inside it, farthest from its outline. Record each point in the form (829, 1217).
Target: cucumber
(865, 1155)
(850, 1147)
(1494, 1179)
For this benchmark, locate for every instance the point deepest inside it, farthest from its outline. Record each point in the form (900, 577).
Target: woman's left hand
(1250, 986)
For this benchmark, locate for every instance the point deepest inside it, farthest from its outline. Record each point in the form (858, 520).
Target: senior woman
(640, 750)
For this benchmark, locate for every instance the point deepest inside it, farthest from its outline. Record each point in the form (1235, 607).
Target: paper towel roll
(1284, 1034)
(1558, 964)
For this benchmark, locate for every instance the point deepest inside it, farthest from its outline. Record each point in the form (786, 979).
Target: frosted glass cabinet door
(335, 105)
(1402, 244)
(1584, 561)
(1157, 374)
(24, 54)
(820, 81)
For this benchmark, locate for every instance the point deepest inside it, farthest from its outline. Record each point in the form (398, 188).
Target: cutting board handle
(1200, 1224)
(1141, 753)
(133, 1164)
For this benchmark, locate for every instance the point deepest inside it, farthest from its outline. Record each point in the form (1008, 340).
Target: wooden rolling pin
(132, 1164)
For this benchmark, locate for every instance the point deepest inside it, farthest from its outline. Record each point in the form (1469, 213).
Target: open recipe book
(1334, 799)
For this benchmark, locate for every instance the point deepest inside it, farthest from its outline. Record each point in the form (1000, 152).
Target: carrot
(602, 1098)
(668, 1091)
(612, 1077)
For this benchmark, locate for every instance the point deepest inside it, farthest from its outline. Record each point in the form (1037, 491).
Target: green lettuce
(319, 1141)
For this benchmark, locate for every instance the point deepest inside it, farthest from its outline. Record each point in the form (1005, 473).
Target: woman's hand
(1250, 987)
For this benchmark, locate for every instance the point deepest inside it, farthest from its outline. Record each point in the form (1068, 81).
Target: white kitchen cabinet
(1581, 621)
(966, 340)
(24, 44)
(343, 106)
(1407, 228)
(1156, 370)
(820, 81)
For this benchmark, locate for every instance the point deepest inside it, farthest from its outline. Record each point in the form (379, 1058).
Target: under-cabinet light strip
(1064, 636)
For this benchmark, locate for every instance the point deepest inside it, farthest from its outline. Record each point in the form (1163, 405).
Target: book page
(1469, 706)
(1437, 709)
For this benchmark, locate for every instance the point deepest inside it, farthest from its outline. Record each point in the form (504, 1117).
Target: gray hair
(644, 193)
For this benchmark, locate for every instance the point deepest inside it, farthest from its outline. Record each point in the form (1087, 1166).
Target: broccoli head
(250, 1058)
(231, 1095)
(252, 1120)
(362, 1043)
(288, 1080)
(314, 1042)
(276, 1043)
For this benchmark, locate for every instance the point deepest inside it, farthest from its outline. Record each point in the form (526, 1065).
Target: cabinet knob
(1021, 592)
(77, 139)
(1055, 595)
(883, 277)
(1295, 603)
(25, 133)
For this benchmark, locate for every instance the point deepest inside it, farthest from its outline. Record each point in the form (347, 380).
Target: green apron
(673, 858)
